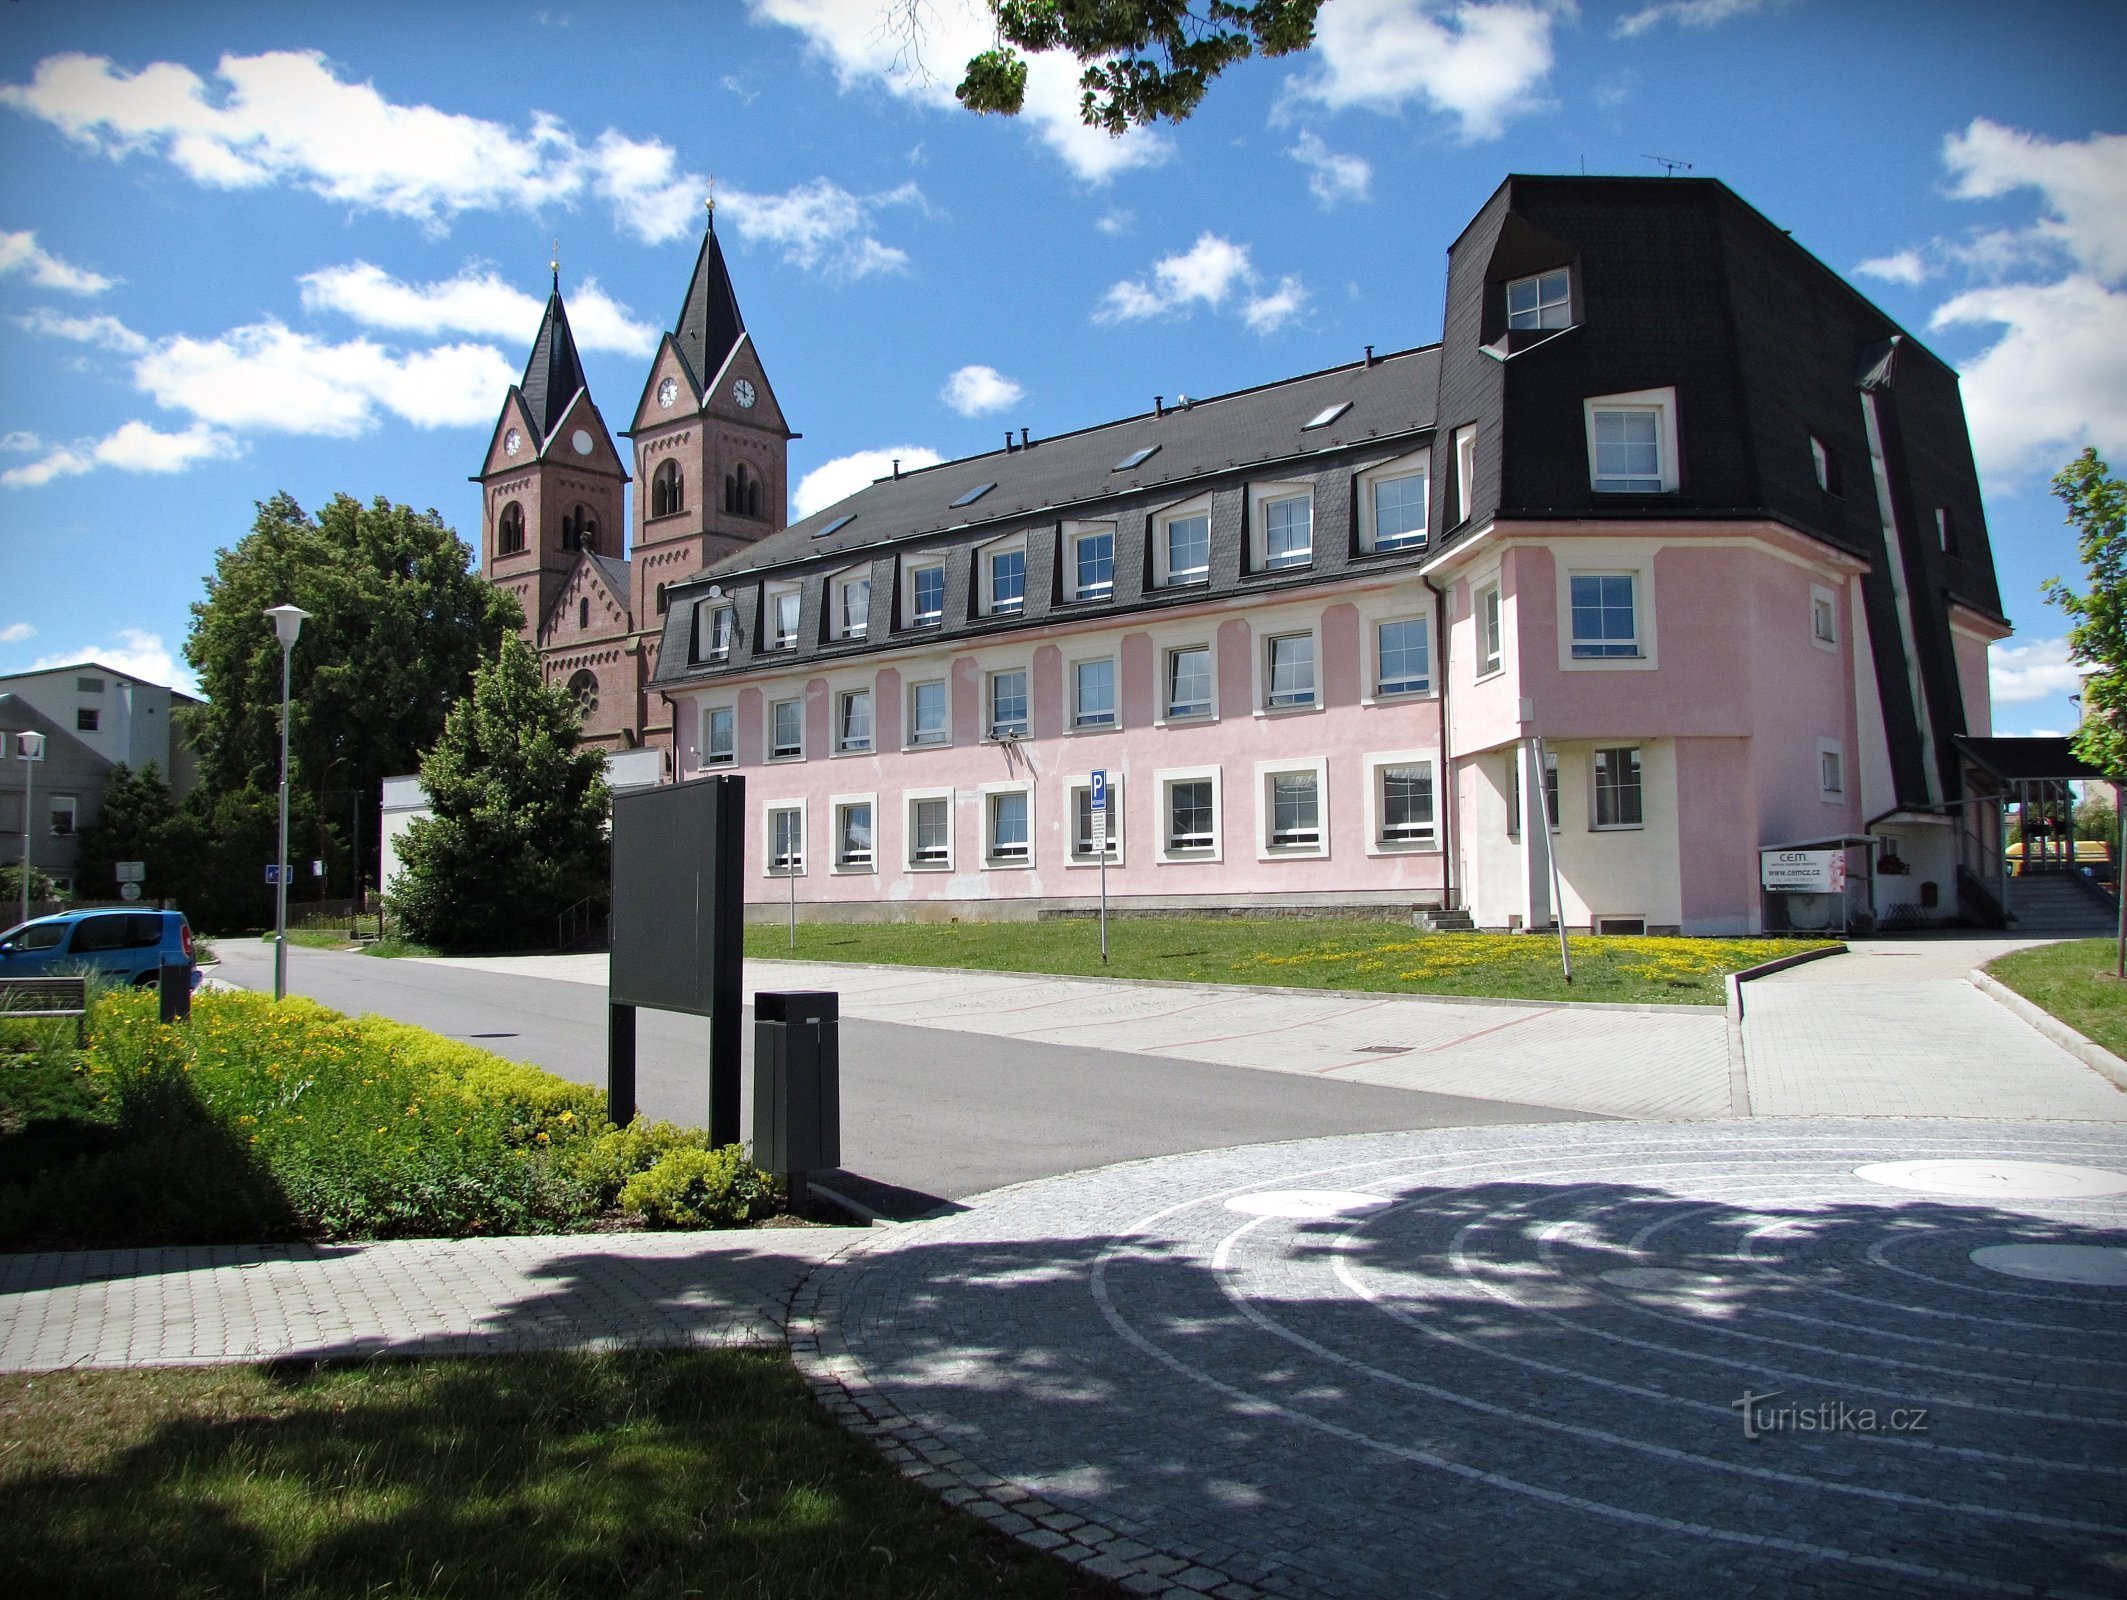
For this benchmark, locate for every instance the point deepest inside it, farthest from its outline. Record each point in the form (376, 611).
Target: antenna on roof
(1670, 165)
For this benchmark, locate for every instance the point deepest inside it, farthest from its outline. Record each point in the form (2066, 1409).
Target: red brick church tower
(711, 448)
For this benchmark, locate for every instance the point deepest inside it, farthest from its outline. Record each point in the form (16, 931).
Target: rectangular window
(1945, 531)
(1823, 619)
(1189, 682)
(783, 619)
(1093, 694)
(786, 841)
(1082, 823)
(1465, 473)
(926, 595)
(1491, 643)
(1291, 667)
(64, 811)
(1008, 704)
(89, 685)
(87, 719)
(786, 729)
(1406, 804)
(1187, 543)
(853, 607)
(719, 736)
(1830, 776)
(1402, 657)
(714, 624)
(1295, 811)
(1544, 301)
(1191, 825)
(1399, 511)
(1093, 562)
(1824, 464)
(1288, 532)
(853, 721)
(1008, 581)
(930, 832)
(1008, 828)
(926, 713)
(1605, 620)
(853, 836)
(1632, 442)
(1514, 793)
(1617, 788)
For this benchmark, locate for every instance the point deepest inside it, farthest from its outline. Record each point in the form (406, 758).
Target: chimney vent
(1022, 438)
(1369, 355)
(897, 469)
(1159, 405)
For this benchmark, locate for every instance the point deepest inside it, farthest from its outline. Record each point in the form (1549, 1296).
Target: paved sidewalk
(181, 1307)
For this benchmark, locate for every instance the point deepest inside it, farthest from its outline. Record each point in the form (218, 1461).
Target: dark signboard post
(678, 865)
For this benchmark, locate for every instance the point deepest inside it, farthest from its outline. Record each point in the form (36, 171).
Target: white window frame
(840, 592)
(1377, 673)
(1163, 783)
(1594, 791)
(837, 806)
(1465, 472)
(1419, 465)
(909, 738)
(1609, 558)
(772, 594)
(1488, 610)
(769, 813)
(985, 567)
(1662, 402)
(1831, 762)
(1267, 849)
(1165, 664)
(1082, 784)
(989, 700)
(1551, 790)
(1077, 724)
(1261, 497)
(910, 567)
(705, 754)
(1376, 765)
(709, 617)
(1574, 642)
(1076, 533)
(1272, 634)
(66, 805)
(1163, 576)
(1823, 618)
(991, 861)
(768, 749)
(910, 800)
(842, 698)
(1544, 319)
(1824, 465)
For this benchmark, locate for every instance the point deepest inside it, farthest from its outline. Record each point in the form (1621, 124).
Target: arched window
(509, 530)
(753, 498)
(668, 491)
(583, 689)
(579, 529)
(742, 492)
(661, 598)
(583, 613)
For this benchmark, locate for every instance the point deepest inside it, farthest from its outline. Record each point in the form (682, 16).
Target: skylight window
(1327, 415)
(1135, 458)
(973, 495)
(835, 526)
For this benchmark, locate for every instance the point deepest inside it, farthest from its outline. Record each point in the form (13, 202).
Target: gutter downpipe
(1449, 899)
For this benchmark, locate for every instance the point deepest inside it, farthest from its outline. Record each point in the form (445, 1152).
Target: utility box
(174, 990)
(797, 1084)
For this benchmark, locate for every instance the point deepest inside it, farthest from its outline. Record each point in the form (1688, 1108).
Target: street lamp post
(287, 623)
(30, 747)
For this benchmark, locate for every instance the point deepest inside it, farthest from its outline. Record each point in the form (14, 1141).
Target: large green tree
(517, 832)
(1144, 60)
(132, 825)
(2097, 510)
(400, 618)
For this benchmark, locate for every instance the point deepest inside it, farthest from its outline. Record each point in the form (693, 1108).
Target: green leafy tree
(1145, 60)
(137, 813)
(2095, 818)
(41, 888)
(2097, 510)
(518, 826)
(215, 852)
(400, 618)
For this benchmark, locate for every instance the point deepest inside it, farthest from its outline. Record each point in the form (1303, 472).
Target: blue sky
(301, 246)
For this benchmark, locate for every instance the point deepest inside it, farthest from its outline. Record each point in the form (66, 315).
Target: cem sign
(1803, 871)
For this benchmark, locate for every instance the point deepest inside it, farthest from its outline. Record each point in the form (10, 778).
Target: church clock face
(742, 392)
(668, 393)
(512, 442)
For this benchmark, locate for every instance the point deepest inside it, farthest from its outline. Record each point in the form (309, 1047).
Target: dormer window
(1632, 442)
(509, 531)
(852, 603)
(1544, 301)
(668, 491)
(781, 603)
(742, 492)
(714, 624)
(1004, 578)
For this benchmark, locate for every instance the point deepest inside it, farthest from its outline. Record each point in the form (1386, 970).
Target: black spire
(709, 323)
(554, 375)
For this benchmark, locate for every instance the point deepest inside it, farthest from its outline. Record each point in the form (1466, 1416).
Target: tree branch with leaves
(2097, 510)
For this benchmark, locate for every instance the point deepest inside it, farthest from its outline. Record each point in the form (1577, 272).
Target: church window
(742, 492)
(583, 613)
(583, 689)
(579, 529)
(509, 530)
(668, 491)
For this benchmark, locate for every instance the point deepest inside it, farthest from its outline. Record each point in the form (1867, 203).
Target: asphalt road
(927, 1114)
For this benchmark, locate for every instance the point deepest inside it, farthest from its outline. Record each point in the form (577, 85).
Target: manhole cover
(2093, 1264)
(2015, 1180)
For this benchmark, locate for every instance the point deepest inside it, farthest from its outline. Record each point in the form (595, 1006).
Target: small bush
(607, 1162)
(694, 1188)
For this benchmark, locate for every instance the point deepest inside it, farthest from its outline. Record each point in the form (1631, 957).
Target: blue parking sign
(1100, 791)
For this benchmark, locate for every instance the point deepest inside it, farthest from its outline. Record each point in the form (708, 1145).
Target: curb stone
(2088, 1051)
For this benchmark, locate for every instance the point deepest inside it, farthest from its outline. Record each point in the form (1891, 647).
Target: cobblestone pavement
(177, 1307)
(1508, 1361)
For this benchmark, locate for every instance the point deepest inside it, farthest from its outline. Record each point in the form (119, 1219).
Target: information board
(1803, 871)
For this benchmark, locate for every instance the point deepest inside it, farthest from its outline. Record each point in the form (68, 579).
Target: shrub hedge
(258, 1121)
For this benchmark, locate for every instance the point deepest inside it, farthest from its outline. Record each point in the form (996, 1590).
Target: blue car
(119, 946)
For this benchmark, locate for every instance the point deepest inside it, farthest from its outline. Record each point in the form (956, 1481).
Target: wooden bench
(47, 997)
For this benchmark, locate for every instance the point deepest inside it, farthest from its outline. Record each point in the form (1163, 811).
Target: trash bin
(175, 984)
(797, 1084)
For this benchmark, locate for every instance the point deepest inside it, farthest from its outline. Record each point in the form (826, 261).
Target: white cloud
(134, 650)
(16, 632)
(1689, 14)
(20, 443)
(1269, 312)
(472, 302)
(2034, 671)
(1904, 266)
(2084, 184)
(845, 475)
(1209, 273)
(287, 117)
(1116, 221)
(820, 226)
(1330, 176)
(19, 252)
(263, 376)
(2054, 382)
(1482, 64)
(976, 390)
(108, 332)
(135, 447)
(859, 40)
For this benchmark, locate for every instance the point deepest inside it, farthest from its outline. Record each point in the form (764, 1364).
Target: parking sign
(1100, 791)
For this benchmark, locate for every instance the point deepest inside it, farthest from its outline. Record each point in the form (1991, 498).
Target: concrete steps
(2061, 904)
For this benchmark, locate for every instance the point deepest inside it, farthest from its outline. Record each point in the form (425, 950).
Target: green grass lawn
(2075, 982)
(1378, 957)
(647, 1475)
